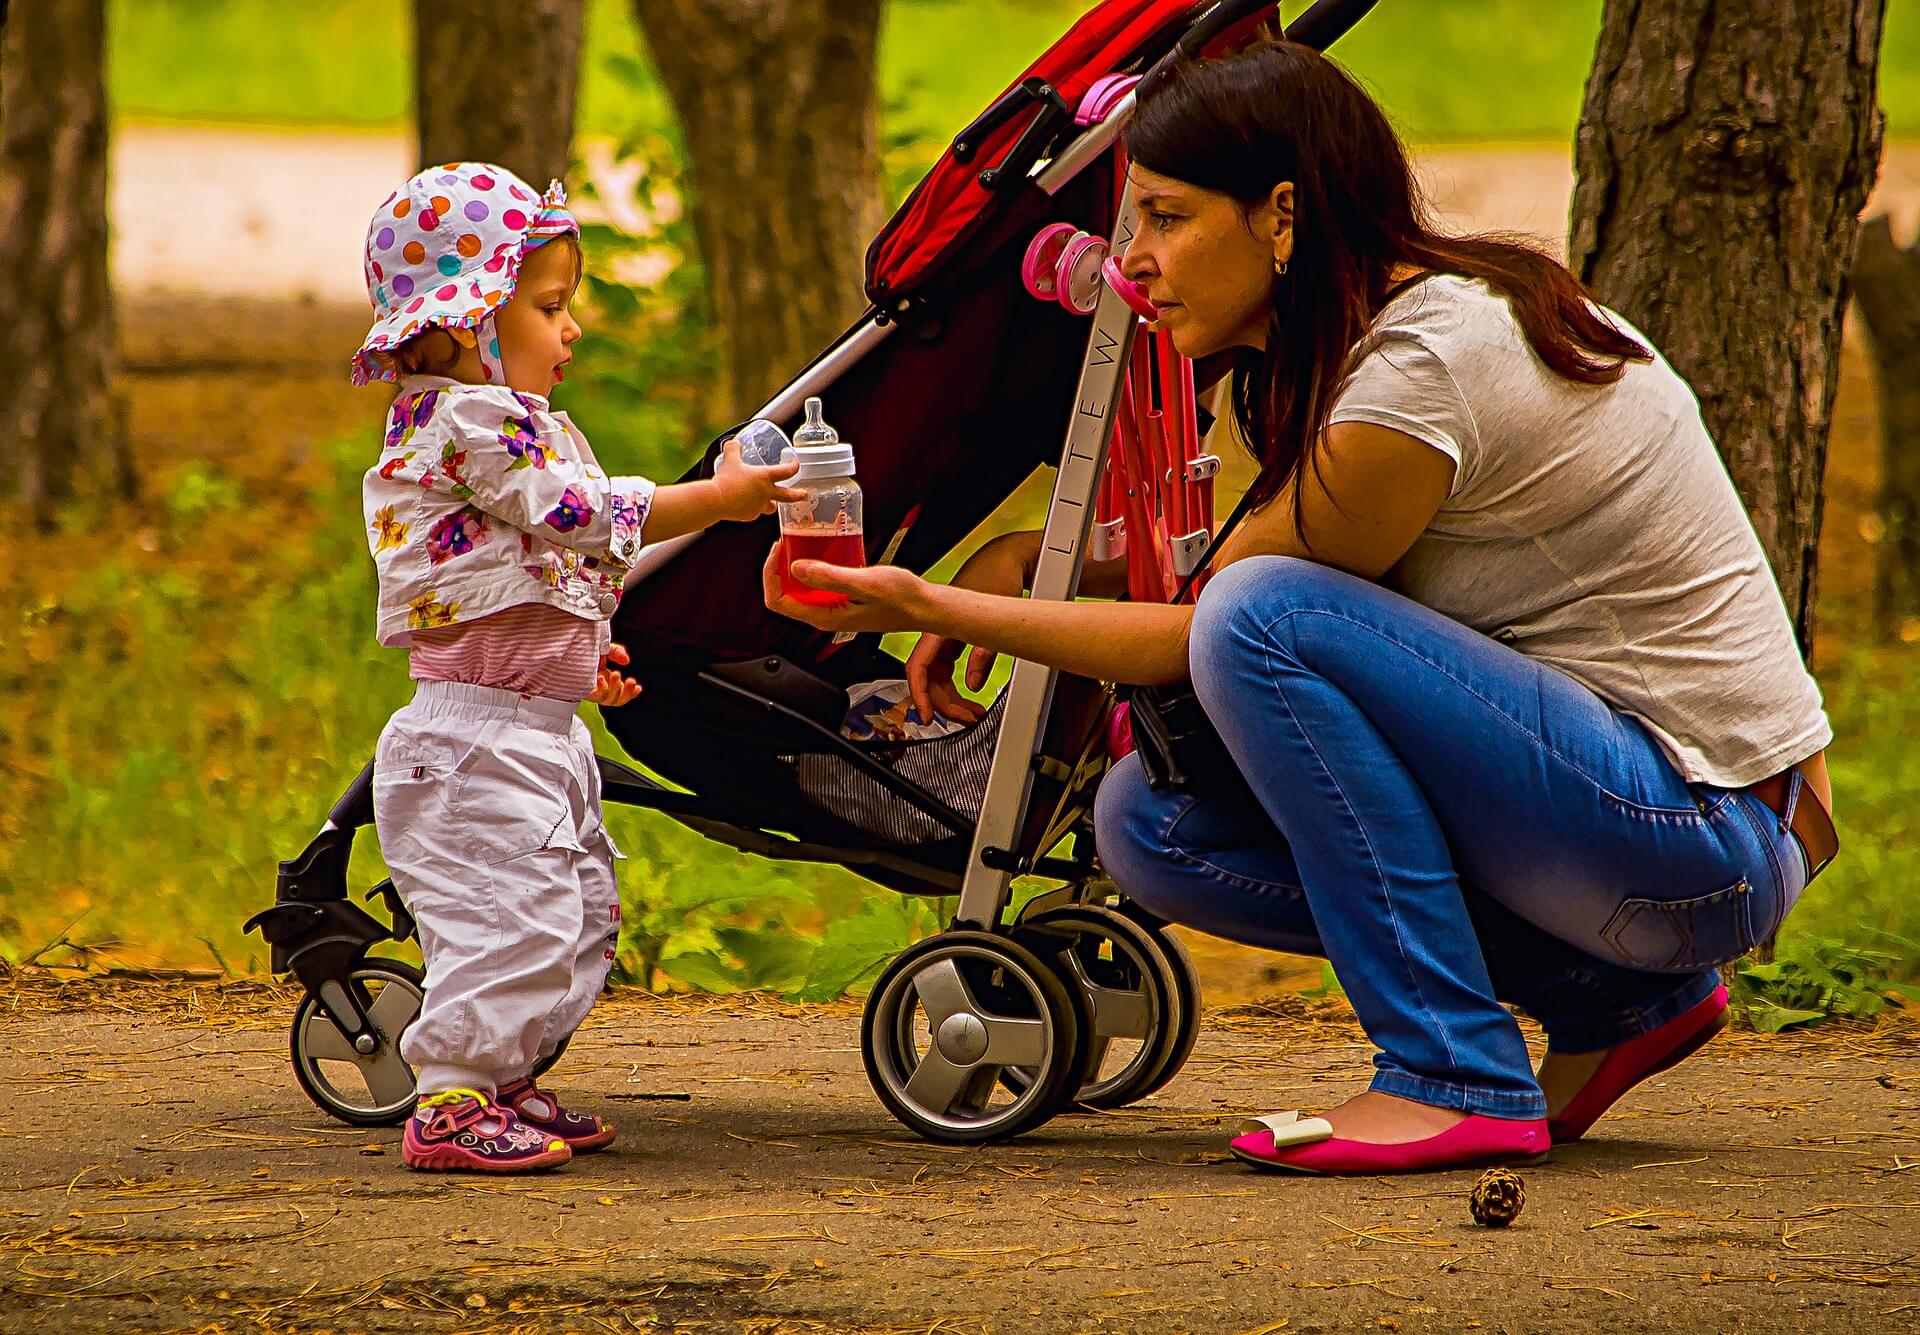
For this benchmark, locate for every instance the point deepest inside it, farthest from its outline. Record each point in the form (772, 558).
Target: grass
(1454, 71)
(174, 728)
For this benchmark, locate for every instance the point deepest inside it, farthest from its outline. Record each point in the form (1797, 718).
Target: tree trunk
(494, 81)
(56, 337)
(1725, 151)
(1886, 286)
(779, 110)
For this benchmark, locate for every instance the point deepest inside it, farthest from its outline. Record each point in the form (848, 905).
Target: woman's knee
(1243, 618)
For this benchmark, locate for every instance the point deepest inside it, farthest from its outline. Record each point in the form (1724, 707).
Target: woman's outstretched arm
(1133, 643)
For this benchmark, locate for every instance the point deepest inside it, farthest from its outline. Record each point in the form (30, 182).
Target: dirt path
(160, 1171)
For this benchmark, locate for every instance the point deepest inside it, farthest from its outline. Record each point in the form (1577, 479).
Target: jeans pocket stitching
(1678, 915)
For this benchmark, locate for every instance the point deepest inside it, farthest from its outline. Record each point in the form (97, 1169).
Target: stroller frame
(986, 1029)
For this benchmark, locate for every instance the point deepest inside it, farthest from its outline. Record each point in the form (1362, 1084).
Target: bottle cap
(761, 442)
(824, 460)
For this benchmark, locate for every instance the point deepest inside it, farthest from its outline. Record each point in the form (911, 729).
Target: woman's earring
(1280, 268)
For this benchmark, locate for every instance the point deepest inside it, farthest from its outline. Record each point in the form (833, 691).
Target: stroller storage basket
(952, 769)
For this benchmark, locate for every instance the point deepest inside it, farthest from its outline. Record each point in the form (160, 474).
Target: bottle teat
(815, 431)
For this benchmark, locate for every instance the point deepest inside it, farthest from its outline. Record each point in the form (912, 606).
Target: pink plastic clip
(1103, 97)
(1039, 269)
(1078, 277)
(1130, 292)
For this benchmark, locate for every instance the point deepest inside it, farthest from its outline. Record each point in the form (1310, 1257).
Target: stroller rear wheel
(1133, 988)
(949, 1017)
(372, 1088)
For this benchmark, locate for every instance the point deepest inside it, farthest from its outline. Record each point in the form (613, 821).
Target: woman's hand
(879, 598)
(610, 688)
(1003, 566)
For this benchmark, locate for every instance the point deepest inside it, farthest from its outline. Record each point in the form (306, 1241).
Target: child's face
(537, 332)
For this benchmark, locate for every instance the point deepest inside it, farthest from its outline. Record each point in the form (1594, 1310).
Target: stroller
(972, 365)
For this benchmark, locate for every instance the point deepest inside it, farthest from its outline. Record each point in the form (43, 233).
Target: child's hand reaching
(737, 490)
(610, 688)
(748, 491)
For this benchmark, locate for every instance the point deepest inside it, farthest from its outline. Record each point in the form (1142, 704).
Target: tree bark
(56, 337)
(1886, 287)
(1725, 150)
(494, 81)
(778, 105)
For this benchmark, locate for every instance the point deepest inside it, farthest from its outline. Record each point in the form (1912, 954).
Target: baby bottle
(826, 526)
(762, 442)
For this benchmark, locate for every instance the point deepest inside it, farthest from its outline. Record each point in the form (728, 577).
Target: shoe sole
(1491, 1161)
(1705, 1035)
(592, 1144)
(450, 1160)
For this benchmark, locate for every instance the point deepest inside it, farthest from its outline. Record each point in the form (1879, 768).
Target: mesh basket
(953, 768)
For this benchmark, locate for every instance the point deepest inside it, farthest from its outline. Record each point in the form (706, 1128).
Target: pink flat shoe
(1293, 1144)
(1635, 1060)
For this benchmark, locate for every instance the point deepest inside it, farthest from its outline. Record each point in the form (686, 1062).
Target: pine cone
(1498, 1197)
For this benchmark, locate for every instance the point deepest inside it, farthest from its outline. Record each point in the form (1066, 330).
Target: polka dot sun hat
(445, 249)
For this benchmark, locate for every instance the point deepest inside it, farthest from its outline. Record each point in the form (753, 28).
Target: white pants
(488, 807)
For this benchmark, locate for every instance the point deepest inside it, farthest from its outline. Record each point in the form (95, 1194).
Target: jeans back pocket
(1682, 935)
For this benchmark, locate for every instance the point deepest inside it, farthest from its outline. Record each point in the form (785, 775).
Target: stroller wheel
(1186, 984)
(545, 1064)
(1135, 998)
(361, 1089)
(949, 1017)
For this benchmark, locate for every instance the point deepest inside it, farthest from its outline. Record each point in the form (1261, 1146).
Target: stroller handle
(1327, 22)
(1320, 27)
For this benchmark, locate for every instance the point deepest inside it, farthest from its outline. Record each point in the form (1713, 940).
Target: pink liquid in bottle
(831, 546)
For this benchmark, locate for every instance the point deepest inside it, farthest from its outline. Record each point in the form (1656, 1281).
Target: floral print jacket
(485, 498)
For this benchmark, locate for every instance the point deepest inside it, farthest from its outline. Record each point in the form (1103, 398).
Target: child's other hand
(748, 491)
(610, 688)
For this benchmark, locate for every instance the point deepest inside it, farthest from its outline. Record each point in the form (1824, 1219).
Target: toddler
(500, 546)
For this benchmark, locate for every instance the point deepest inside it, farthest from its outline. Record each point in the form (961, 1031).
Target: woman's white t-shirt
(1593, 527)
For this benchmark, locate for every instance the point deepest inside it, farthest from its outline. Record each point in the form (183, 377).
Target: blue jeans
(1452, 826)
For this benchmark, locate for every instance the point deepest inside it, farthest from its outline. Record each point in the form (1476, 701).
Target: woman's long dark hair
(1280, 112)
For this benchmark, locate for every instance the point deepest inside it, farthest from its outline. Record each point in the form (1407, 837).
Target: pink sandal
(1291, 1143)
(1636, 1060)
(464, 1131)
(583, 1132)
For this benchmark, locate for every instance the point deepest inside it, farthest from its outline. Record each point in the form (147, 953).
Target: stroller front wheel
(361, 1088)
(949, 1017)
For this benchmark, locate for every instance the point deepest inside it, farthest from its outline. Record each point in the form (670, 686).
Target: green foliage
(199, 491)
(649, 348)
(186, 703)
(1462, 70)
(1820, 978)
(182, 730)
(1867, 894)
(1329, 985)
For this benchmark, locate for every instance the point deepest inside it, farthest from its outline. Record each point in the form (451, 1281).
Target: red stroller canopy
(1116, 36)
